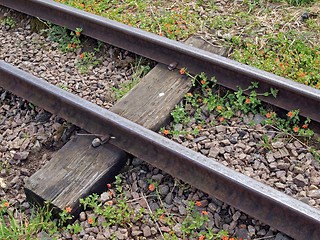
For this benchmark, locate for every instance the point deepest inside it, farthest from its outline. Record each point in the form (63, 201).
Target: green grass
(9, 22)
(69, 41)
(286, 55)
(300, 2)
(139, 69)
(175, 20)
(277, 46)
(87, 61)
(119, 211)
(15, 225)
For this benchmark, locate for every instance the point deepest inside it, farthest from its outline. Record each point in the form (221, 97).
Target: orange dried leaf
(68, 209)
(268, 115)
(166, 132)
(90, 220)
(151, 187)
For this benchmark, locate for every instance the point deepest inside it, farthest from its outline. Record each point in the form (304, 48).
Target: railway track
(275, 208)
(229, 73)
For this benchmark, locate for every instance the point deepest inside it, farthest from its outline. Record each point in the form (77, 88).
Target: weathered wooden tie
(78, 169)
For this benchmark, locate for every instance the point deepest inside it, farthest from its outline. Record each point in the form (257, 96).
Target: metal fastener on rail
(98, 140)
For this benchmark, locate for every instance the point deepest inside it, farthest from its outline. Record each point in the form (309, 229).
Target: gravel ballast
(284, 163)
(35, 53)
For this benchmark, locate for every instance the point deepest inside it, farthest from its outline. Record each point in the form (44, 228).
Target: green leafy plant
(86, 61)
(117, 212)
(252, 4)
(286, 55)
(63, 86)
(194, 220)
(74, 228)
(9, 22)
(299, 2)
(180, 115)
(14, 224)
(208, 97)
(69, 41)
(194, 224)
(266, 142)
(225, 104)
(65, 216)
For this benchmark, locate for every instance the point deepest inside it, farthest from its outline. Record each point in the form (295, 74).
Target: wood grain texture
(78, 169)
(74, 172)
(150, 102)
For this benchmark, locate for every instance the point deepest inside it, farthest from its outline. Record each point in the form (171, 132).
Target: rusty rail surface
(275, 208)
(228, 73)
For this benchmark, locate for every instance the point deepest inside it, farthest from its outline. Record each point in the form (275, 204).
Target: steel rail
(228, 73)
(291, 216)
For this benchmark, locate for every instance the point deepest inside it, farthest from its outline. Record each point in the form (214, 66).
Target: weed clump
(284, 55)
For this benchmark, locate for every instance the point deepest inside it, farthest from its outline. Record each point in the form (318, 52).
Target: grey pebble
(82, 216)
(300, 181)
(100, 236)
(314, 193)
(163, 190)
(258, 118)
(136, 233)
(280, 236)
(236, 216)
(146, 231)
(168, 198)
(182, 210)
(233, 140)
(21, 155)
(105, 196)
(157, 177)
